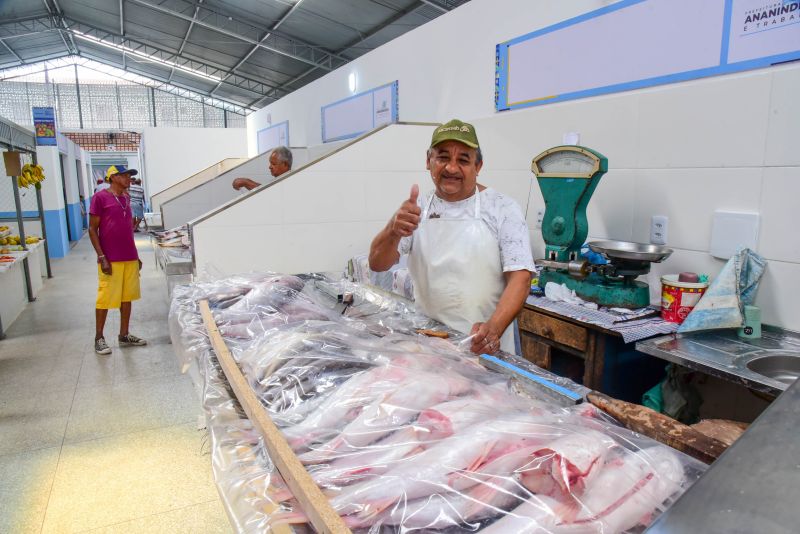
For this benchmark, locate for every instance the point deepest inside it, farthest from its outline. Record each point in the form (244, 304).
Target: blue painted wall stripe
(13, 214)
(56, 223)
(75, 222)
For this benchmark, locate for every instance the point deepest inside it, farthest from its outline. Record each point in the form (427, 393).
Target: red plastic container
(678, 299)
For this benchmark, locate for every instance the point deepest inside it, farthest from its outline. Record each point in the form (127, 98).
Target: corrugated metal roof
(245, 52)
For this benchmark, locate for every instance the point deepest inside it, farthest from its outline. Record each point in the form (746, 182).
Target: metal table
(176, 262)
(753, 486)
(722, 354)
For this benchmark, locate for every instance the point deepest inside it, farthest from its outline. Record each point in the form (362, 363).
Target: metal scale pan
(623, 250)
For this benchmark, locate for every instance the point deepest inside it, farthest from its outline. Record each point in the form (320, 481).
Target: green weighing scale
(568, 176)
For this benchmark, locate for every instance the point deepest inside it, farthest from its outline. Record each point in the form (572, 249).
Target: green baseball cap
(455, 130)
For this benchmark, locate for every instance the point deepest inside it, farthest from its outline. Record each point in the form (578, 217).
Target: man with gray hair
(280, 162)
(469, 252)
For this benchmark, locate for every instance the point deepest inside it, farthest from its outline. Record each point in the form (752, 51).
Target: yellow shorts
(122, 285)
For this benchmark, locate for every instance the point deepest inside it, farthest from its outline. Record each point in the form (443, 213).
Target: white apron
(457, 273)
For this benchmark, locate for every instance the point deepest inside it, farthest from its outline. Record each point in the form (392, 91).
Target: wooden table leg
(594, 362)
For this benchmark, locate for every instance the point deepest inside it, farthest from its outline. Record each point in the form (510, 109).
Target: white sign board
(359, 113)
(273, 136)
(640, 43)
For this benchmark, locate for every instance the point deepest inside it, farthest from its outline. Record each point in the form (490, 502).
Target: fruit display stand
(13, 297)
(36, 264)
(19, 162)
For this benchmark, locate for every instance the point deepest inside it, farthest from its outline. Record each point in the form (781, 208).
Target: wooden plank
(721, 429)
(313, 502)
(533, 351)
(660, 427)
(553, 329)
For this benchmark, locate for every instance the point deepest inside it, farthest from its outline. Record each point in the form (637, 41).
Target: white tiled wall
(682, 150)
(689, 196)
(716, 122)
(784, 115)
(779, 238)
(609, 212)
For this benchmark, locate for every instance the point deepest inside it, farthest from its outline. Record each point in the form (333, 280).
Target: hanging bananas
(31, 175)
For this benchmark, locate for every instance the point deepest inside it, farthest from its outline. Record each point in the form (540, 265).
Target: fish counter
(401, 431)
(173, 256)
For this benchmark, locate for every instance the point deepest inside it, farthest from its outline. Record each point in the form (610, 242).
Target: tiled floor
(93, 443)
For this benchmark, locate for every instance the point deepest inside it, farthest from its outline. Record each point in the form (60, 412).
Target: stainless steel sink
(781, 366)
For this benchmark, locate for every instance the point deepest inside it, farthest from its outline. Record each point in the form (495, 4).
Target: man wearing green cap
(468, 249)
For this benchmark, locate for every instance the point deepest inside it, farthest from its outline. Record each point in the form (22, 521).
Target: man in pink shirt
(111, 233)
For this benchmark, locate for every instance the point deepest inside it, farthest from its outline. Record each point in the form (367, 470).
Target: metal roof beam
(168, 59)
(185, 38)
(24, 27)
(138, 50)
(391, 20)
(189, 30)
(252, 50)
(175, 88)
(58, 19)
(49, 57)
(435, 5)
(12, 51)
(278, 44)
(86, 60)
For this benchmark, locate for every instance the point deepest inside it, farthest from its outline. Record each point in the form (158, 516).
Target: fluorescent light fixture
(147, 57)
(352, 82)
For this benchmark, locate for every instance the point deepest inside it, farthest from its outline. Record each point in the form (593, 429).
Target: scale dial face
(566, 162)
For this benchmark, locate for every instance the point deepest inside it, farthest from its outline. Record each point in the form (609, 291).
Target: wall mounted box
(731, 230)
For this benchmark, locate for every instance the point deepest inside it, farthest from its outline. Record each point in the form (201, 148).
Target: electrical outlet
(539, 218)
(659, 224)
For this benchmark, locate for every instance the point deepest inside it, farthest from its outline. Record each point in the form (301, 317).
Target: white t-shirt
(501, 214)
(100, 187)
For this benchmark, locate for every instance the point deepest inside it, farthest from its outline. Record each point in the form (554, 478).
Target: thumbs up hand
(406, 220)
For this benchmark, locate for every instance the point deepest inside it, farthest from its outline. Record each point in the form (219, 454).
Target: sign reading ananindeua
(763, 28)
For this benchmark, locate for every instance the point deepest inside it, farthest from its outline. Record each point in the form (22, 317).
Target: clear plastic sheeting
(242, 469)
(403, 432)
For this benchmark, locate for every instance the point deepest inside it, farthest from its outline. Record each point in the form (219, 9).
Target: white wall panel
(374, 154)
(777, 295)
(607, 124)
(52, 192)
(609, 211)
(384, 192)
(784, 118)
(689, 197)
(173, 154)
(327, 196)
(681, 261)
(193, 181)
(778, 235)
(716, 122)
(515, 184)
